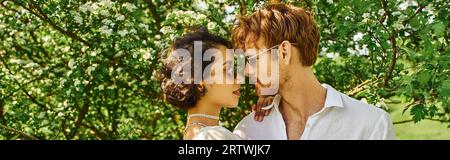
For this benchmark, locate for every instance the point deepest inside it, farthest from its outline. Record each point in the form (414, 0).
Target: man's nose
(248, 70)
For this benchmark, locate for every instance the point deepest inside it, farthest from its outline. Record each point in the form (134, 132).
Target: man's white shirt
(342, 117)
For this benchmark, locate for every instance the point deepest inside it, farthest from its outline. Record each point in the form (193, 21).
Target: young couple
(302, 108)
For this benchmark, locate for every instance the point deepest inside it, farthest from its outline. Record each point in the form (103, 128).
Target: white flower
(331, 55)
(147, 55)
(71, 64)
(123, 33)
(105, 30)
(15, 61)
(222, 32)
(101, 87)
(130, 7)
(403, 5)
(87, 7)
(31, 65)
(229, 18)
(330, 1)
(106, 3)
(106, 21)
(398, 25)
(201, 5)
(357, 37)
(46, 38)
(93, 54)
(396, 13)
(407, 34)
(38, 72)
(143, 26)
(83, 8)
(78, 19)
(133, 31)
(158, 36)
(364, 50)
(381, 12)
(120, 17)
(230, 9)
(165, 30)
(93, 8)
(135, 55)
(144, 82)
(104, 13)
(91, 69)
(211, 25)
(76, 82)
(201, 16)
(190, 13)
(366, 15)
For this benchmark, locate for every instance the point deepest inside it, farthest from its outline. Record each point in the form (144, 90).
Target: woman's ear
(285, 52)
(203, 86)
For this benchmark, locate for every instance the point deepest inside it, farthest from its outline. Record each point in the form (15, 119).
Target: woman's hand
(260, 113)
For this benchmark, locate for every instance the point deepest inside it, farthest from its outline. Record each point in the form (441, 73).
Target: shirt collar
(333, 98)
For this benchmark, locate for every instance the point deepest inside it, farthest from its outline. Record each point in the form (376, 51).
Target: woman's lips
(237, 92)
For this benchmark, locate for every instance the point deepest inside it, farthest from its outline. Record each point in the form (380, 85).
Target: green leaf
(444, 90)
(424, 77)
(15, 137)
(418, 112)
(432, 111)
(438, 28)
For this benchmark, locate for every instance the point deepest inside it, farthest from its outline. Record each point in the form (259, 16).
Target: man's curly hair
(186, 95)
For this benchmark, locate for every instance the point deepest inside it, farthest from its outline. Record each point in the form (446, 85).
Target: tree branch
(358, 88)
(154, 13)
(84, 110)
(393, 41)
(386, 12)
(19, 132)
(415, 13)
(410, 120)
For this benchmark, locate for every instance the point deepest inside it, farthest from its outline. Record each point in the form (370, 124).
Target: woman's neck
(205, 108)
(195, 123)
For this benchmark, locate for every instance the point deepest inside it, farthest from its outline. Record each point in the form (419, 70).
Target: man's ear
(285, 51)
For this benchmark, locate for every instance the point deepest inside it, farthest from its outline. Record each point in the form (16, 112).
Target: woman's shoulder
(215, 133)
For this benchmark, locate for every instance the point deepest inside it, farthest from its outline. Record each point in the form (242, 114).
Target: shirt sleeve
(383, 129)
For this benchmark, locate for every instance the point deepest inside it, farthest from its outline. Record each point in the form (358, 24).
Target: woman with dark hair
(202, 101)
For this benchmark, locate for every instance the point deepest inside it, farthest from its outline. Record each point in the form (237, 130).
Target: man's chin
(258, 90)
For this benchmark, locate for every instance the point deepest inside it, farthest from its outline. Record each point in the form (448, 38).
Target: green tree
(85, 69)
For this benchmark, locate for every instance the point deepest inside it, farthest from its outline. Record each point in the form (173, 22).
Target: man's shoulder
(363, 110)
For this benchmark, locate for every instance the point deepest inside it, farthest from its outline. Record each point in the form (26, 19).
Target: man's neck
(303, 95)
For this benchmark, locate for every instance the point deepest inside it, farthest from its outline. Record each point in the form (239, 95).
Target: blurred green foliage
(85, 69)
